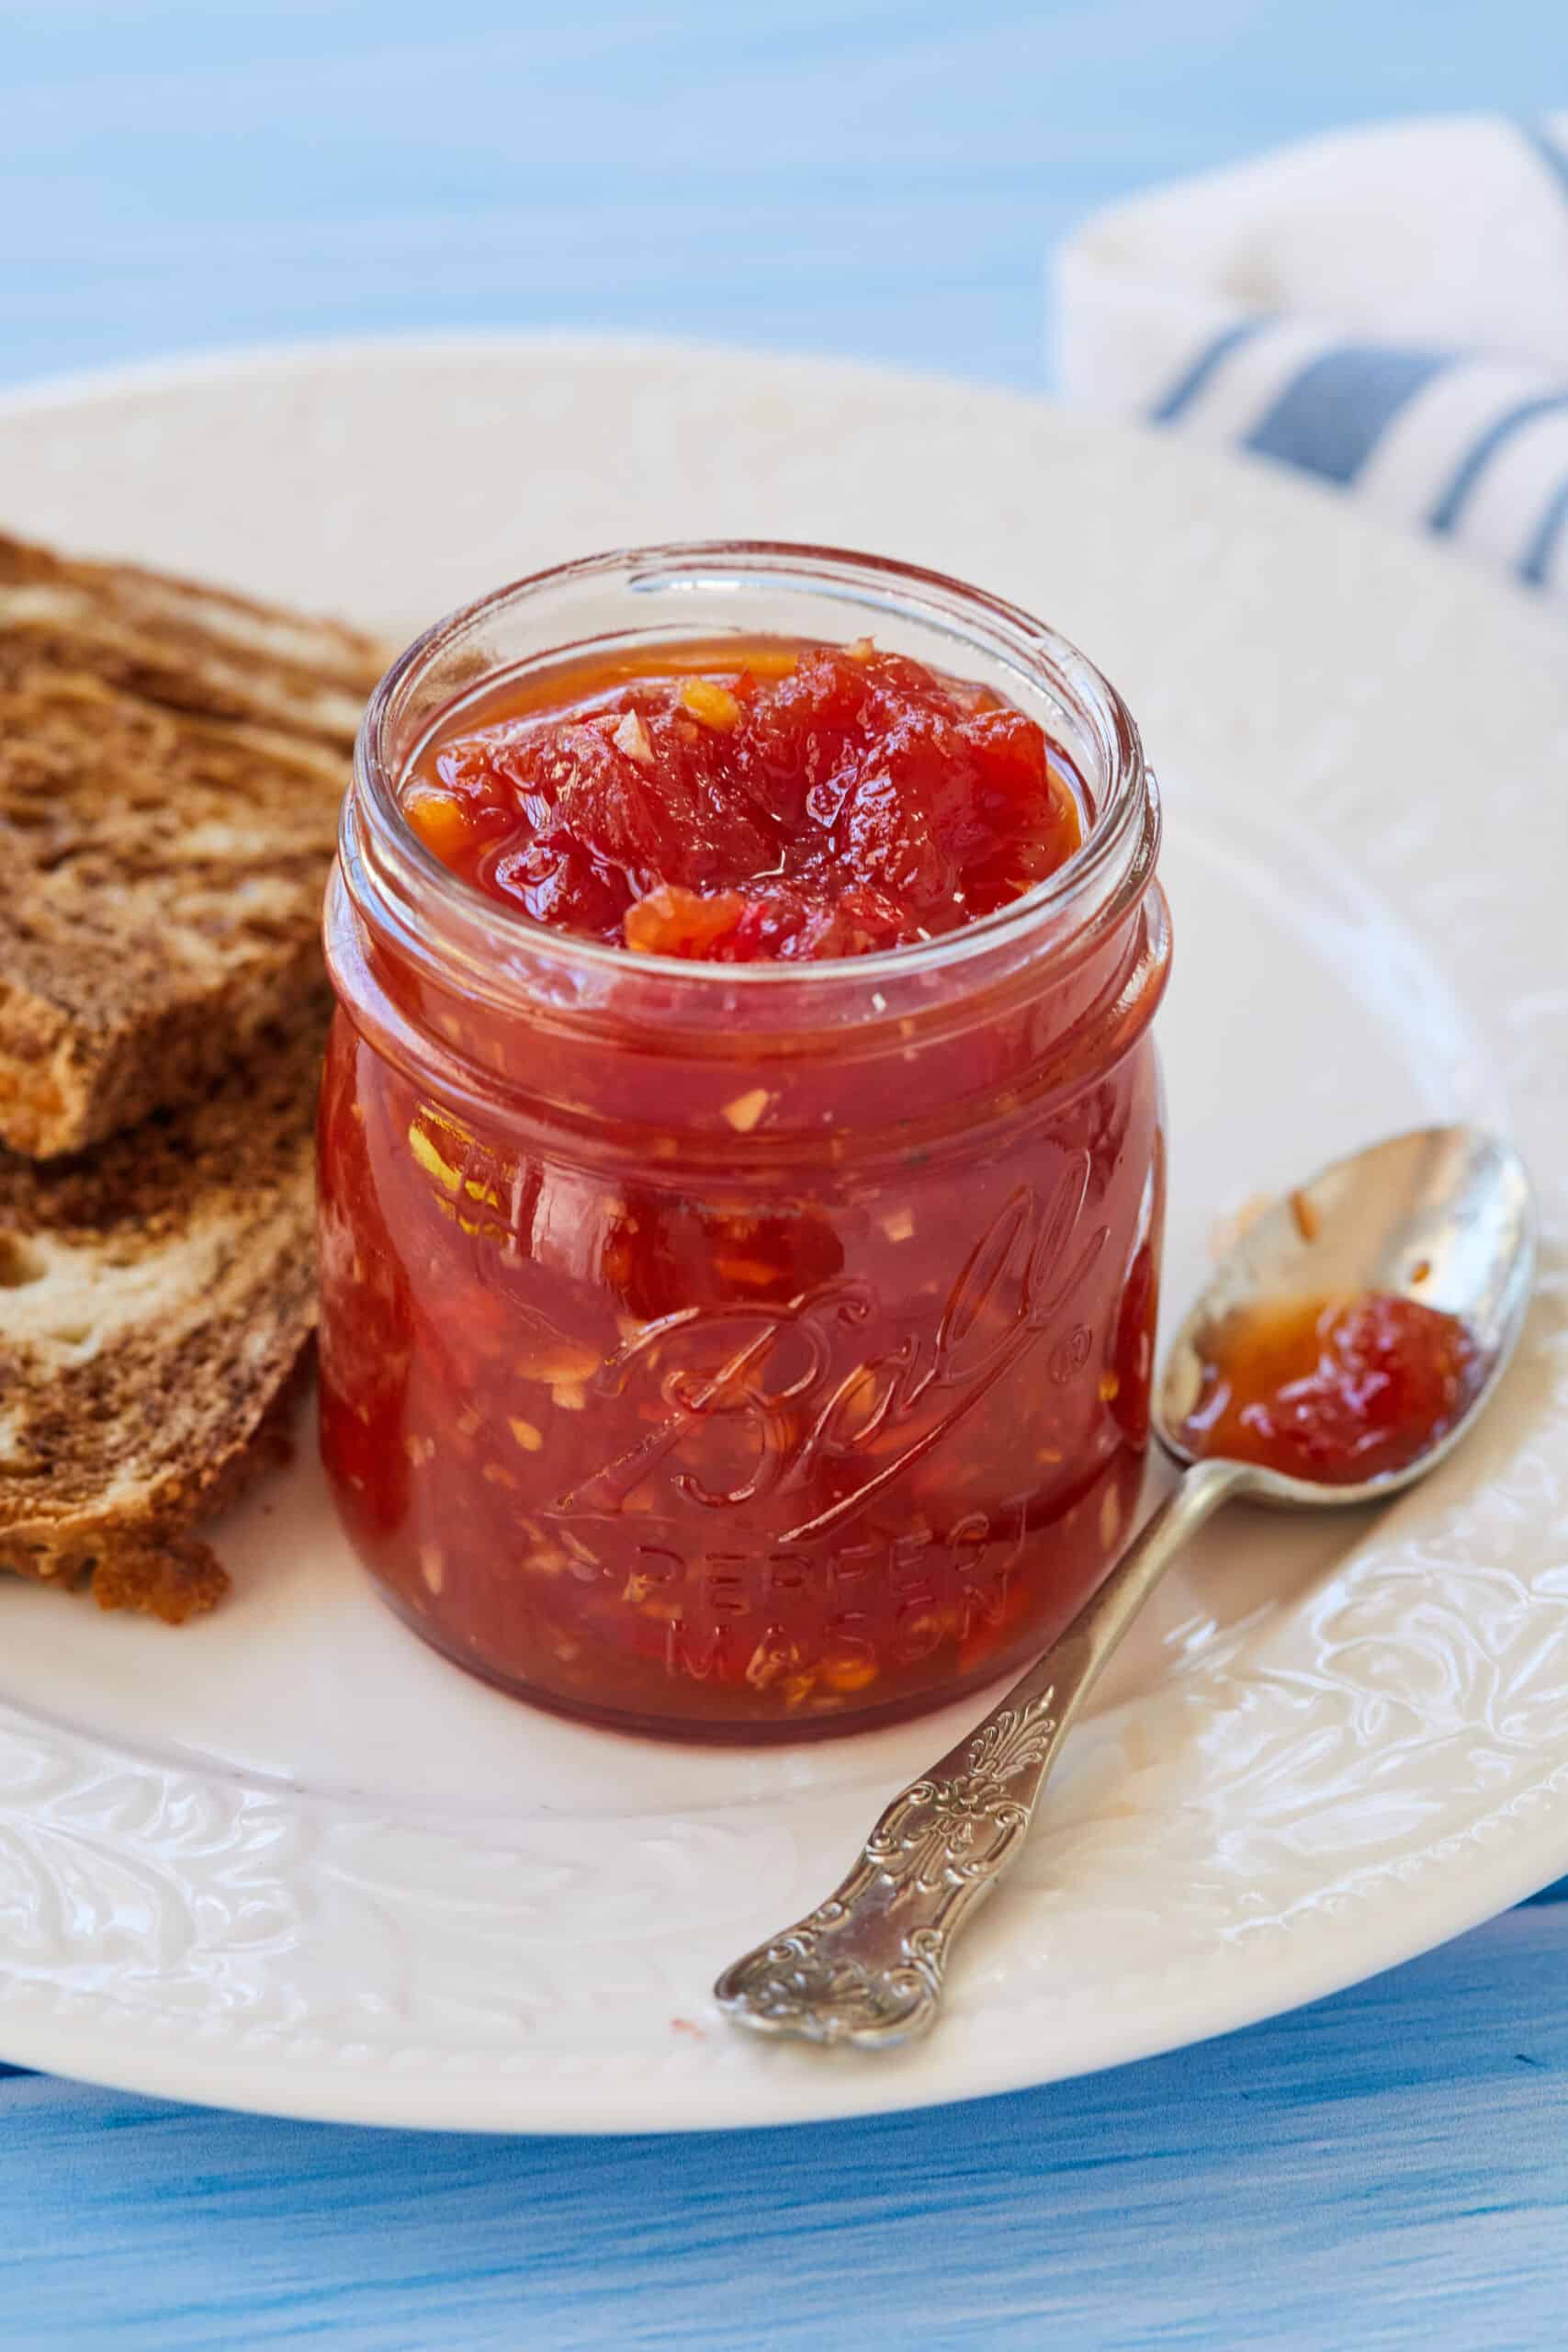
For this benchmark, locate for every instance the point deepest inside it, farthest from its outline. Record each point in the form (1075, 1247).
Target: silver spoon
(1444, 1217)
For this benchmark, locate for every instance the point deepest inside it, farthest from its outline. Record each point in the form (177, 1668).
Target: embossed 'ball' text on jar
(741, 1352)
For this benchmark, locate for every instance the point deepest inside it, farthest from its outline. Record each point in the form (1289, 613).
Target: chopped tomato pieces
(1336, 1390)
(805, 802)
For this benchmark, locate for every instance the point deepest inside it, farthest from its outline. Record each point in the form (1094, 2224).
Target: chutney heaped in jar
(741, 1168)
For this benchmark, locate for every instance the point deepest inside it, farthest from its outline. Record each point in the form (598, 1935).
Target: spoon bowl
(1442, 1217)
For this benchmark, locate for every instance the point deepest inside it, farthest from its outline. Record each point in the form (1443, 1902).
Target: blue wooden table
(882, 178)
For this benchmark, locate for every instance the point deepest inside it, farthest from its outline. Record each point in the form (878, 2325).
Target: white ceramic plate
(289, 1859)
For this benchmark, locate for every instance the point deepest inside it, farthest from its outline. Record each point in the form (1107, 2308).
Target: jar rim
(377, 844)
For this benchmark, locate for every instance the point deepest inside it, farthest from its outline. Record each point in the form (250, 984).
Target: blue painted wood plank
(1388, 2167)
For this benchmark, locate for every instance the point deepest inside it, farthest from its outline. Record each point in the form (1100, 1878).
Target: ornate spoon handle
(867, 1966)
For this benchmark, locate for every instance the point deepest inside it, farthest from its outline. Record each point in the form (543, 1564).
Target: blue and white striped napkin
(1386, 308)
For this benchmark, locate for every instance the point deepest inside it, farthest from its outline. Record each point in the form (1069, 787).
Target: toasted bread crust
(172, 760)
(188, 646)
(155, 1298)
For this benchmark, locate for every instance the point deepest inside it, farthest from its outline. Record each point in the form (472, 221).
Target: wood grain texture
(1387, 2168)
(882, 178)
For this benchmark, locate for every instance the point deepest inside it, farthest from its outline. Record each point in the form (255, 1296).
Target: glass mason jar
(741, 1352)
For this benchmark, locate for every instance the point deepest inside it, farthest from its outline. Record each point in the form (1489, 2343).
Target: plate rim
(384, 2101)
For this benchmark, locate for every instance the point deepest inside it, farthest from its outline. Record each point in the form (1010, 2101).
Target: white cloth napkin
(1386, 308)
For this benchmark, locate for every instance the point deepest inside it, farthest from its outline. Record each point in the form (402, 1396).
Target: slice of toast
(172, 760)
(155, 1296)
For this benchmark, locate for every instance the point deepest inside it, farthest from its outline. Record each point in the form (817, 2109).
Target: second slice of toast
(156, 1294)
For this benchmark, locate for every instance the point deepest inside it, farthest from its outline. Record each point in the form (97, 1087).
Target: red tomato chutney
(1339, 1390)
(741, 1178)
(788, 801)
